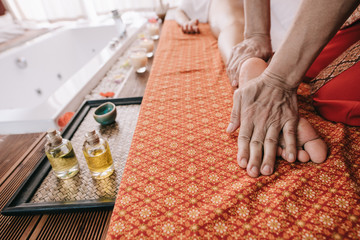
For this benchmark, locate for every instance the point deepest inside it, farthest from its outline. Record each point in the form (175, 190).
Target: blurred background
(64, 10)
(23, 20)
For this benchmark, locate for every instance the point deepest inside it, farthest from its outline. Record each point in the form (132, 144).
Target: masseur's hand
(253, 46)
(191, 26)
(262, 108)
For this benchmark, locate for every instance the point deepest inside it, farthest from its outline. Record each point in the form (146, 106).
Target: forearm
(315, 24)
(181, 17)
(257, 18)
(256, 41)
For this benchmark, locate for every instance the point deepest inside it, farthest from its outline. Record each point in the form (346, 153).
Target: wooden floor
(18, 156)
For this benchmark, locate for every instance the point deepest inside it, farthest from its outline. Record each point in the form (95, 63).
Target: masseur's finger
(196, 29)
(236, 83)
(233, 64)
(243, 143)
(188, 28)
(235, 113)
(270, 150)
(256, 150)
(289, 132)
(302, 155)
(192, 29)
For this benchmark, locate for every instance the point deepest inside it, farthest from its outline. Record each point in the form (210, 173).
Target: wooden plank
(36, 231)
(13, 182)
(85, 225)
(106, 227)
(18, 227)
(30, 227)
(13, 227)
(14, 149)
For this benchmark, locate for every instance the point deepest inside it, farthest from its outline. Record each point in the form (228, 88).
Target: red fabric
(340, 42)
(339, 99)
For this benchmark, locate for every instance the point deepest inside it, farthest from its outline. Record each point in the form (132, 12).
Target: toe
(279, 151)
(317, 150)
(303, 156)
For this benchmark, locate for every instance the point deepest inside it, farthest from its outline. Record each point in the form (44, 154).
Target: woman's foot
(311, 146)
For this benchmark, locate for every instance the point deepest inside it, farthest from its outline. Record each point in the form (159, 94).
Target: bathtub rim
(20, 121)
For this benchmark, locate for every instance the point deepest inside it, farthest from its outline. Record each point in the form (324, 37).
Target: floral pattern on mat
(182, 181)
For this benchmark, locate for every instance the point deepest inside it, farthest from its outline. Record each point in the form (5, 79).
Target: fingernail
(234, 83)
(267, 169)
(230, 128)
(243, 163)
(255, 170)
(291, 158)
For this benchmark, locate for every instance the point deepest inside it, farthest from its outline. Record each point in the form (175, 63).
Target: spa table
(18, 156)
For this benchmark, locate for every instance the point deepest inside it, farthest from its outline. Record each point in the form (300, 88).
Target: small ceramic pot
(105, 113)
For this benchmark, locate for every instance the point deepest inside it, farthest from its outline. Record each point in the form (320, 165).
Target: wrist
(278, 81)
(248, 34)
(288, 65)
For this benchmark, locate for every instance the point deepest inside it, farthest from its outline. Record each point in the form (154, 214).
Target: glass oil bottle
(61, 155)
(98, 156)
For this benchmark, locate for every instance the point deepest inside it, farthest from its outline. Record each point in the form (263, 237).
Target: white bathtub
(50, 75)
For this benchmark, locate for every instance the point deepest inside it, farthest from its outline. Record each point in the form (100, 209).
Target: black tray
(19, 203)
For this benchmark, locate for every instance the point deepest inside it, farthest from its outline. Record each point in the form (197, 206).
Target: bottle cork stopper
(92, 137)
(54, 137)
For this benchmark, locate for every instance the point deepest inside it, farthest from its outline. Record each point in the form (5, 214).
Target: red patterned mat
(182, 181)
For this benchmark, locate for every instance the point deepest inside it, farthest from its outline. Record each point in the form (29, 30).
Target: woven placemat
(83, 186)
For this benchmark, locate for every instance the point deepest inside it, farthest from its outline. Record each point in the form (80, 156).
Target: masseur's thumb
(235, 114)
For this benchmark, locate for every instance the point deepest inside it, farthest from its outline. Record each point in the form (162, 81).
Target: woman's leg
(226, 19)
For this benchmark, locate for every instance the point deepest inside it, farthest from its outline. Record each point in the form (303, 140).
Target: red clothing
(338, 44)
(339, 99)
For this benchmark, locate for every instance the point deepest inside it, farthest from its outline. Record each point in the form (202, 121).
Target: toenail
(255, 170)
(291, 157)
(267, 169)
